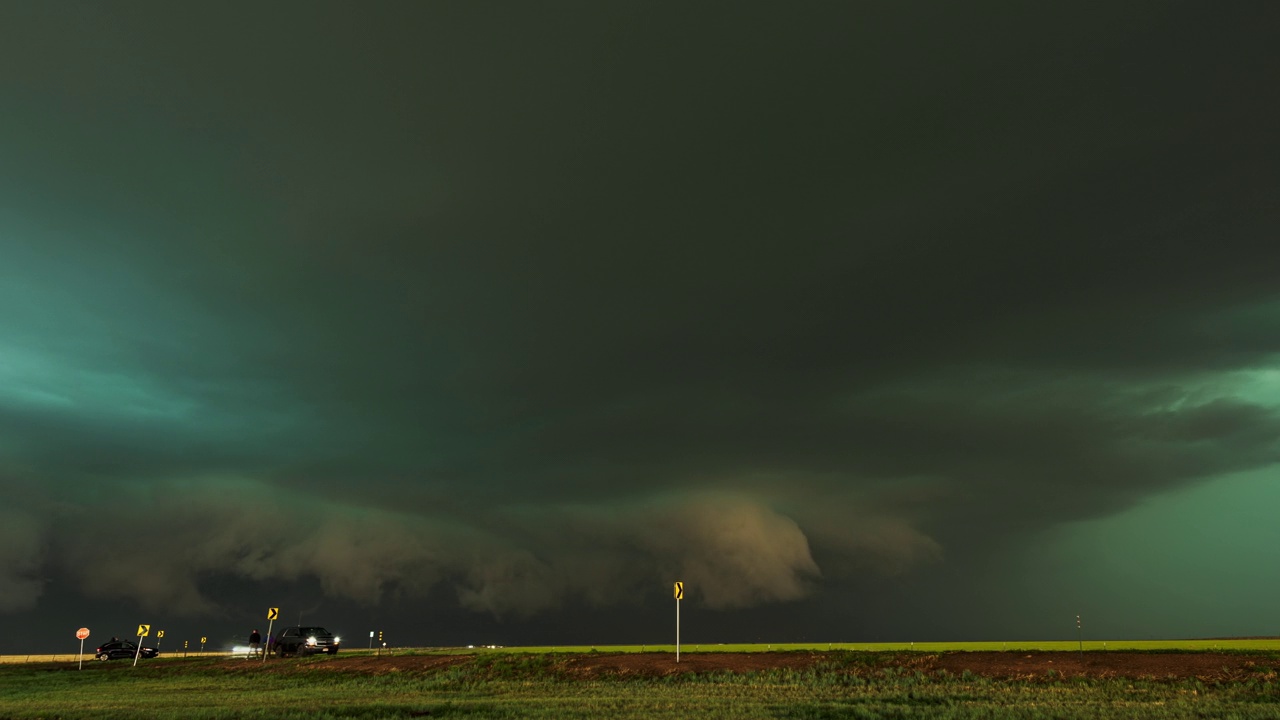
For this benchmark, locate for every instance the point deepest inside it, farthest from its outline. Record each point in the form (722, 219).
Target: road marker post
(143, 631)
(82, 633)
(272, 614)
(203, 639)
(679, 593)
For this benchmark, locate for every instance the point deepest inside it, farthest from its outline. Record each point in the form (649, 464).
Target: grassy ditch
(508, 685)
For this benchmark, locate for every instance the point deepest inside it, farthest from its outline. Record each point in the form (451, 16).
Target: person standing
(255, 642)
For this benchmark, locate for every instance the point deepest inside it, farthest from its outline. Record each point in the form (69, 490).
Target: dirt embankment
(1021, 665)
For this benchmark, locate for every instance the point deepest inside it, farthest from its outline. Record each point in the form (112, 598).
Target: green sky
(866, 321)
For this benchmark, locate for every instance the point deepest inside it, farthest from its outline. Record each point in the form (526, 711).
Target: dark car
(123, 649)
(305, 639)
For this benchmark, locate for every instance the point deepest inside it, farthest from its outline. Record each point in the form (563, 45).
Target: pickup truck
(306, 640)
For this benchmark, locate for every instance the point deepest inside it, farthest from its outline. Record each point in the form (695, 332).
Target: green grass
(1231, 644)
(522, 685)
(1246, 644)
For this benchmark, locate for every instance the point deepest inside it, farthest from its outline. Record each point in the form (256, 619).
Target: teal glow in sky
(865, 323)
(1197, 558)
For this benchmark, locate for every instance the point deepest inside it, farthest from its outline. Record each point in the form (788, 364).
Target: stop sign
(82, 633)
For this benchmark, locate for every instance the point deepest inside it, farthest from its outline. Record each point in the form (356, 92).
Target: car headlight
(311, 641)
(337, 640)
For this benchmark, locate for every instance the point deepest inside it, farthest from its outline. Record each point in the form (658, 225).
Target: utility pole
(1080, 636)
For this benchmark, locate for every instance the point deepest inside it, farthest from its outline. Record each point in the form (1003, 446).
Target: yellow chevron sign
(273, 613)
(679, 591)
(144, 630)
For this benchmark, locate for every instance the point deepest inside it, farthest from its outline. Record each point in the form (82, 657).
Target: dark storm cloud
(536, 303)
(21, 562)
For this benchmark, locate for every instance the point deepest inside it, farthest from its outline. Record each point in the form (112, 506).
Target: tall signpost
(272, 615)
(143, 631)
(679, 593)
(82, 633)
(1080, 635)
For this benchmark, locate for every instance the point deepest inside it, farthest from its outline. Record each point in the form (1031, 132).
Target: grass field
(88, 657)
(1258, 644)
(503, 684)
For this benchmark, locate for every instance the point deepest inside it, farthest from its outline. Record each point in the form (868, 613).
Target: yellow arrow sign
(273, 613)
(144, 630)
(159, 634)
(203, 640)
(679, 591)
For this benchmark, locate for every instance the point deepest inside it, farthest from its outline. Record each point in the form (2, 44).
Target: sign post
(679, 593)
(82, 633)
(159, 637)
(272, 614)
(203, 639)
(143, 631)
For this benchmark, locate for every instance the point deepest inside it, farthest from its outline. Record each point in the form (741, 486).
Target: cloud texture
(528, 309)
